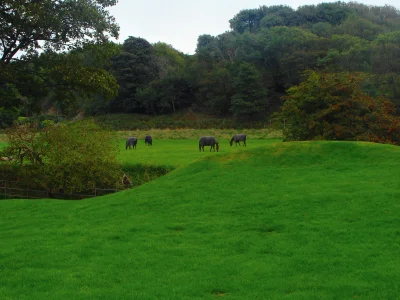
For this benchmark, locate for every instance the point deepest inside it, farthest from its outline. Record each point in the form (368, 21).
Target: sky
(180, 22)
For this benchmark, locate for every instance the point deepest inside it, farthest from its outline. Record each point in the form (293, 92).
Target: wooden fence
(16, 190)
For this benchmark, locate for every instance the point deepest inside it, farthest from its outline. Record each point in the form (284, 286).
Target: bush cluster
(338, 106)
(68, 157)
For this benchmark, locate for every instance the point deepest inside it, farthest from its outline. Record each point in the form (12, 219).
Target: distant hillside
(243, 72)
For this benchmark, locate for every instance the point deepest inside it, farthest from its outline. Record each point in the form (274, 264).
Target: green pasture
(179, 153)
(301, 220)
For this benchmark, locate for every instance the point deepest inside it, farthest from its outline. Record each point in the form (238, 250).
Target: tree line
(69, 65)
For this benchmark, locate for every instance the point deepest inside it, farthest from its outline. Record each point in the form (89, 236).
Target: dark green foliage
(56, 23)
(278, 41)
(165, 95)
(247, 20)
(49, 27)
(250, 96)
(7, 117)
(134, 69)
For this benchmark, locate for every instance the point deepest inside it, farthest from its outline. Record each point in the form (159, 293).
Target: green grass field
(179, 153)
(301, 220)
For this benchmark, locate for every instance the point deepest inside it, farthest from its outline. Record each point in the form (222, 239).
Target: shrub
(82, 156)
(335, 107)
(71, 157)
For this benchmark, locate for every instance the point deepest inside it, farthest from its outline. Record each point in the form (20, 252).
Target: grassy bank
(315, 220)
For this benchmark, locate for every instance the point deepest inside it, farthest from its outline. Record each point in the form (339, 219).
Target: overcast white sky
(180, 22)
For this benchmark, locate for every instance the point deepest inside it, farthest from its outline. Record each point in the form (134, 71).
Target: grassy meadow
(300, 220)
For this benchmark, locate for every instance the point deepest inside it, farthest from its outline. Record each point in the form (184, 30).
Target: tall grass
(184, 119)
(184, 133)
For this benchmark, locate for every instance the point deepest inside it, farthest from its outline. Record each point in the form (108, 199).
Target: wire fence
(17, 190)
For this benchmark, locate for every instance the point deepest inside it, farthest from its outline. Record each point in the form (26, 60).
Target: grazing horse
(237, 138)
(148, 140)
(131, 141)
(208, 141)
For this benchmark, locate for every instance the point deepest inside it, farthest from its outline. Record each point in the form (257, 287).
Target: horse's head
(231, 142)
(217, 146)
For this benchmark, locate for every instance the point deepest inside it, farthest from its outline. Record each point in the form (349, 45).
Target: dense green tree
(215, 91)
(247, 20)
(134, 69)
(347, 53)
(27, 26)
(360, 27)
(51, 27)
(168, 60)
(386, 53)
(249, 95)
(278, 15)
(322, 29)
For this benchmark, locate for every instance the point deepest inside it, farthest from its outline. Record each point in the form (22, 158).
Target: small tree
(81, 156)
(334, 106)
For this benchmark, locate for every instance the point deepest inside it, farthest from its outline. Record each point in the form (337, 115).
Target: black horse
(208, 141)
(131, 141)
(148, 140)
(237, 138)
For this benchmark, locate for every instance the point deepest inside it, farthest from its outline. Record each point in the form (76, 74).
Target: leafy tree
(334, 106)
(215, 91)
(27, 26)
(52, 28)
(347, 53)
(134, 69)
(288, 51)
(322, 29)
(166, 95)
(168, 60)
(250, 96)
(247, 20)
(386, 53)
(360, 27)
(278, 15)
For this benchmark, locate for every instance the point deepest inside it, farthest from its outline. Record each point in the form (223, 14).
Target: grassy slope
(282, 221)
